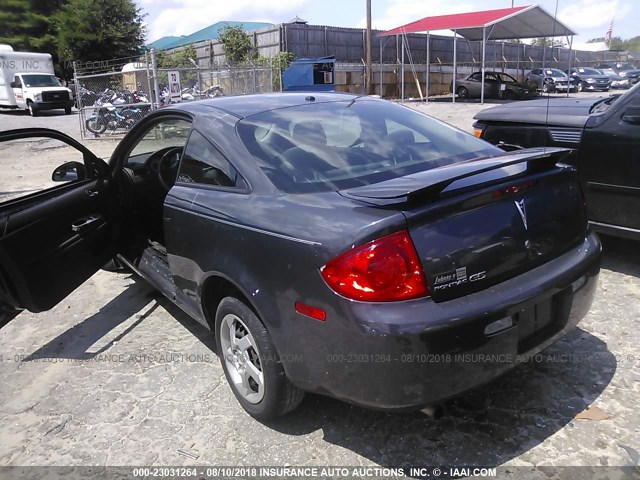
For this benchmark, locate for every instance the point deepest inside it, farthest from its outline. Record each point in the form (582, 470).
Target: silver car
(496, 85)
(549, 80)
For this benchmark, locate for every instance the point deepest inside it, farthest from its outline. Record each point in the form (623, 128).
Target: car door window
(28, 165)
(166, 133)
(203, 163)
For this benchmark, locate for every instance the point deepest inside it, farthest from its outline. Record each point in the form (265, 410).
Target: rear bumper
(410, 354)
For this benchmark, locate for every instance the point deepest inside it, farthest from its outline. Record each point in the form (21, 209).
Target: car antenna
(354, 100)
(546, 119)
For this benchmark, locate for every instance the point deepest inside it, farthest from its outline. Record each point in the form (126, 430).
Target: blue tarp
(310, 74)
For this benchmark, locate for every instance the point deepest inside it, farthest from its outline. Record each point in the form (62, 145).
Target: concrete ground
(116, 375)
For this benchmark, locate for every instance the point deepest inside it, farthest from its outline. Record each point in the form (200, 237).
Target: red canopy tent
(530, 21)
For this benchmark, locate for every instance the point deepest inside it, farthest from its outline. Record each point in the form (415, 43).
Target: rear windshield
(339, 145)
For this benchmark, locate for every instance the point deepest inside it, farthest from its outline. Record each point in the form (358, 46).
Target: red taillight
(383, 270)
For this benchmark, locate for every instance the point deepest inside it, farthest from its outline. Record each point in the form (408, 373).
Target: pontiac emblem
(522, 210)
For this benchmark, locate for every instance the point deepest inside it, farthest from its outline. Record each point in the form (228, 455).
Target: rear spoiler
(431, 183)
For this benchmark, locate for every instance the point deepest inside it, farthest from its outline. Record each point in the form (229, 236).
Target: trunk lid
(475, 224)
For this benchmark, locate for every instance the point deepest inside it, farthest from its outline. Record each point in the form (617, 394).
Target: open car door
(57, 235)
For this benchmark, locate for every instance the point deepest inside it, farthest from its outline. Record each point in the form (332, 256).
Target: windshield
(41, 80)
(589, 71)
(554, 72)
(338, 145)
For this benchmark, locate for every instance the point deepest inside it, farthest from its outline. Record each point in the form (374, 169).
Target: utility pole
(367, 54)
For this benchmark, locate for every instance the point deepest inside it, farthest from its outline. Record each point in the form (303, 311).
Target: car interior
(149, 171)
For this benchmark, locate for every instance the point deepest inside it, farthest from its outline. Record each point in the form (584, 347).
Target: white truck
(27, 81)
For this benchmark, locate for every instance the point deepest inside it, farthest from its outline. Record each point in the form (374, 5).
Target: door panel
(54, 239)
(610, 170)
(44, 257)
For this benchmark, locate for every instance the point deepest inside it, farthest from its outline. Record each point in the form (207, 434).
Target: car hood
(595, 77)
(546, 111)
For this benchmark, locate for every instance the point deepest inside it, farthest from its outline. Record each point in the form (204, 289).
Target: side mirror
(69, 172)
(13, 85)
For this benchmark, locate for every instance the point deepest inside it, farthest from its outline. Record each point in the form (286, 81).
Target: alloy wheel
(242, 358)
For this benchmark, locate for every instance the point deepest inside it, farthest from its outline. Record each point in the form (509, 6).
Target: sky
(589, 18)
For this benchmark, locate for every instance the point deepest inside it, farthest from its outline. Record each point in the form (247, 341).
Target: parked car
(619, 68)
(606, 134)
(633, 77)
(589, 79)
(496, 85)
(617, 81)
(550, 80)
(334, 243)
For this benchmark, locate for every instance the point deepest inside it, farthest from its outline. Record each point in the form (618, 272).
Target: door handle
(91, 192)
(84, 223)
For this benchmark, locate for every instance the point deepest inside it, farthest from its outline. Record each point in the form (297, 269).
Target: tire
(96, 124)
(509, 95)
(32, 110)
(462, 92)
(67, 110)
(580, 87)
(250, 349)
(547, 88)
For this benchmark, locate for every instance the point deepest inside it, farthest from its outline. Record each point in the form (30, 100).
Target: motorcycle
(214, 91)
(109, 116)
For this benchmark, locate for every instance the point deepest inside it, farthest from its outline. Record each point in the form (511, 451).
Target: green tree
(236, 44)
(547, 42)
(29, 26)
(617, 44)
(99, 30)
(177, 59)
(180, 59)
(633, 44)
(278, 64)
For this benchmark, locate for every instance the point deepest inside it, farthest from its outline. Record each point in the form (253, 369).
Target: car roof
(243, 106)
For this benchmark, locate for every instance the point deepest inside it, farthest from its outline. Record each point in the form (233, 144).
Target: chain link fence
(112, 96)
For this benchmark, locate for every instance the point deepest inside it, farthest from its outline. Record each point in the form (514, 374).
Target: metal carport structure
(530, 21)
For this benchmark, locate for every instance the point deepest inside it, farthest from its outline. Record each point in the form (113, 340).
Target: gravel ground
(116, 375)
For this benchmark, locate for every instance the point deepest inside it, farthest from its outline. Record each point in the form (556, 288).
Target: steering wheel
(168, 167)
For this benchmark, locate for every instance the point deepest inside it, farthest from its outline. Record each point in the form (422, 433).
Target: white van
(27, 81)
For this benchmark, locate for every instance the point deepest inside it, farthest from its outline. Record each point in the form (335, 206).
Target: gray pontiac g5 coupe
(356, 236)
